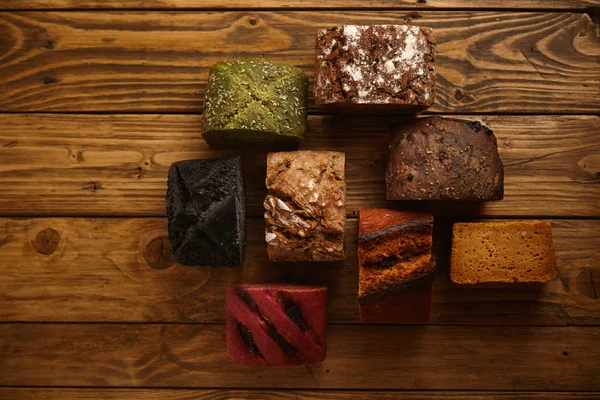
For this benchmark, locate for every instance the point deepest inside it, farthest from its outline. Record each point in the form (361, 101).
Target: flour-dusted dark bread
(276, 325)
(396, 267)
(438, 158)
(375, 68)
(502, 251)
(206, 212)
(305, 206)
(255, 101)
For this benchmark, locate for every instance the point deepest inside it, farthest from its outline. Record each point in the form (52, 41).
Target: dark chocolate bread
(438, 158)
(375, 68)
(206, 212)
(276, 324)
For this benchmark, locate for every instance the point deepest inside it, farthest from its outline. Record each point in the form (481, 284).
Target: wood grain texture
(261, 394)
(120, 270)
(107, 165)
(519, 62)
(467, 358)
(307, 4)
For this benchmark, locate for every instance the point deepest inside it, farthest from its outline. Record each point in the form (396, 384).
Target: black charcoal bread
(255, 101)
(206, 212)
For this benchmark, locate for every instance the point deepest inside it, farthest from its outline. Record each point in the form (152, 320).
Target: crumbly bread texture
(206, 212)
(375, 68)
(276, 325)
(305, 206)
(255, 101)
(395, 265)
(508, 251)
(438, 158)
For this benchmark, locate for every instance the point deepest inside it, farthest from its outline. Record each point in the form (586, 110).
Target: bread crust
(305, 206)
(375, 68)
(438, 158)
(394, 252)
(206, 212)
(502, 252)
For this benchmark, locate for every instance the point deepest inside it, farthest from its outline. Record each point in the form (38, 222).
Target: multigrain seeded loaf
(206, 212)
(305, 206)
(507, 251)
(255, 101)
(396, 267)
(438, 158)
(276, 325)
(375, 68)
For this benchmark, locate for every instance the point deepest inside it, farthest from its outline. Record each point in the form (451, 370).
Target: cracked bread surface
(255, 101)
(375, 67)
(305, 206)
(396, 267)
(436, 158)
(502, 251)
(394, 248)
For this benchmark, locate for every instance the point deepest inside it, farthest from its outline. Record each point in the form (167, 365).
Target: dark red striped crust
(276, 325)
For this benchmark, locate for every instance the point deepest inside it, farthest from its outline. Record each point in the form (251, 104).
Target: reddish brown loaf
(375, 68)
(305, 206)
(438, 158)
(396, 268)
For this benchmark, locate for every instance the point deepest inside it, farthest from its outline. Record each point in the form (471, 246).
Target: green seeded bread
(255, 101)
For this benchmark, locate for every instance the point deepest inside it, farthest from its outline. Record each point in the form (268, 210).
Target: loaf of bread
(255, 101)
(396, 267)
(206, 212)
(375, 68)
(508, 251)
(276, 325)
(305, 206)
(438, 158)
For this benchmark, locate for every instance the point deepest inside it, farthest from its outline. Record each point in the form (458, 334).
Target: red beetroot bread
(396, 267)
(276, 325)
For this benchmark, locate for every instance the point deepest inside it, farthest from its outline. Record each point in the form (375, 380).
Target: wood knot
(93, 186)
(421, 1)
(48, 80)
(158, 253)
(46, 242)
(458, 95)
(48, 45)
(77, 157)
(252, 21)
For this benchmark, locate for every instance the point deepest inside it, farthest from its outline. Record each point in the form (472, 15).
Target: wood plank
(260, 394)
(466, 358)
(108, 165)
(117, 270)
(308, 4)
(488, 62)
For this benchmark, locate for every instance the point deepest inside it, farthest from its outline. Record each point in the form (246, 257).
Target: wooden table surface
(99, 97)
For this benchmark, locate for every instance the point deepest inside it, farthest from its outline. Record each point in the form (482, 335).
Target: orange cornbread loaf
(507, 251)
